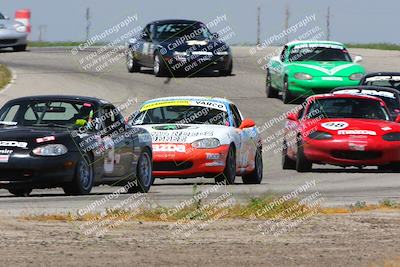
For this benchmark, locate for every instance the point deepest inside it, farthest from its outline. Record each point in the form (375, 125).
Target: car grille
(7, 41)
(172, 165)
(357, 155)
(15, 175)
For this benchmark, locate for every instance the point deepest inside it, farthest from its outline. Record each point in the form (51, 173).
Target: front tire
(286, 95)
(20, 192)
(229, 174)
(255, 177)
(227, 72)
(19, 48)
(270, 91)
(302, 163)
(159, 67)
(131, 64)
(144, 175)
(83, 181)
(287, 163)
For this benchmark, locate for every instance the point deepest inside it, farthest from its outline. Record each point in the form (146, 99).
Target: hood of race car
(345, 127)
(26, 137)
(187, 133)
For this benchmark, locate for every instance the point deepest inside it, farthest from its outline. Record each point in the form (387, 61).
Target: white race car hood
(188, 133)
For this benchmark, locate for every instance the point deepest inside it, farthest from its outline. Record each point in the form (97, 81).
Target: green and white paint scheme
(305, 68)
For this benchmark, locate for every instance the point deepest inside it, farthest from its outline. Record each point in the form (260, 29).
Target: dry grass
(199, 211)
(5, 76)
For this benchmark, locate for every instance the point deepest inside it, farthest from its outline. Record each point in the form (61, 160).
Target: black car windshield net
(356, 108)
(182, 115)
(61, 113)
(319, 54)
(191, 31)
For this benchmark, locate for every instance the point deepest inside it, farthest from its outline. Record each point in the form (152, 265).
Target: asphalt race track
(57, 71)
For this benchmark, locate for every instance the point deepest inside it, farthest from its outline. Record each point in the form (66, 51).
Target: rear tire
(131, 64)
(302, 163)
(394, 167)
(287, 163)
(286, 95)
(19, 48)
(144, 175)
(229, 174)
(83, 181)
(20, 192)
(270, 91)
(255, 177)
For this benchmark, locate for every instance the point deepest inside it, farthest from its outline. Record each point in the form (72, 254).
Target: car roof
(382, 73)
(195, 98)
(165, 21)
(299, 42)
(327, 96)
(62, 98)
(367, 87)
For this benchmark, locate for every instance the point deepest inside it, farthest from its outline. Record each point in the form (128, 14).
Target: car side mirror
(247, 123)
(398, 119)
(358, 59)
(292, 116)
(6, 18)
(146, 36)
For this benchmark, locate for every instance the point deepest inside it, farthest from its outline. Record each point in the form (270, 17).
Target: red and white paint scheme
(24, 16)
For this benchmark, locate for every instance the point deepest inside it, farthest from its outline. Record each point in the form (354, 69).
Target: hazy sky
(352, 21)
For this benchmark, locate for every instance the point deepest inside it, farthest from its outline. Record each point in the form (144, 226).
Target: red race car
(343, 130)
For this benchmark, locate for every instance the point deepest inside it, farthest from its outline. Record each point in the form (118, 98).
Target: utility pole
(287, 15)
(42, 32)
(88, 24)
(328, 24)
(258, 24)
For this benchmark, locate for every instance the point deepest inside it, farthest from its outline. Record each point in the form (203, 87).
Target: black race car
(70, 142)
(382, 79)
(389, 95)
(172, 46)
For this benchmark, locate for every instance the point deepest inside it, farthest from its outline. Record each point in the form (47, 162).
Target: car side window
(237, 119)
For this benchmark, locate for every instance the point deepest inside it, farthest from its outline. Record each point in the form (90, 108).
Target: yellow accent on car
(165, 104)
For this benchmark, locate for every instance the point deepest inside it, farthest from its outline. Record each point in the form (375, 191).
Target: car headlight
(222, 53)
(356, 76)
(317, 135)
(50, 150)
(20, 28)
(392, 137)
(302, 76)
(206, 143)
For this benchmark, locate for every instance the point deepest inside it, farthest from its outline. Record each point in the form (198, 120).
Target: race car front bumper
(10, 38)
(318, 85)
(188, 65)
(23, 169)
(345, 152)
(190, 163)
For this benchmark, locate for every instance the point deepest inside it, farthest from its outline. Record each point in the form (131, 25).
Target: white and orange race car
(201, 137)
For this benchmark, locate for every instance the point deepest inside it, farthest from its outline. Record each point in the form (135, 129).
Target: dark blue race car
(70, 142)
(178, 46)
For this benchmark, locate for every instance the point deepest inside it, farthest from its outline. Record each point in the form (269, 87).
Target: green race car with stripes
(305, 68)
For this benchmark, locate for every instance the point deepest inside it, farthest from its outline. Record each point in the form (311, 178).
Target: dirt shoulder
(360, 239)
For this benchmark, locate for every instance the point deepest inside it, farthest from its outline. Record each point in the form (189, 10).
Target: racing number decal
(109, 155)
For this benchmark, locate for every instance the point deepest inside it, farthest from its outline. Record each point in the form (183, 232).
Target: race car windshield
(182, 115)
(319, 54)
(189, 31)
(392, 83)
(47, 114)
(352, 108)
